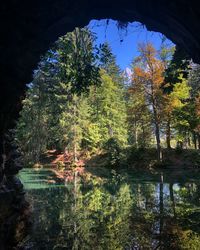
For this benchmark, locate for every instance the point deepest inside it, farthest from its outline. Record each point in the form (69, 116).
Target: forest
(83, 108)
(111, 156)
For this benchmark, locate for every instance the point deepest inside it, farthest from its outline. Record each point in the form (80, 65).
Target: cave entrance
(94, 173)
(84, 96)
(104, 89)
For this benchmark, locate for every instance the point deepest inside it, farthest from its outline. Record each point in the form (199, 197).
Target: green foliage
(112, 147)
(109, 110)
(92, 139)
(78, 102)
(107, 62)
(139, 118)
(178, 65)
(181, 92)
(54, 113)
(194, 79)
(60, 165)
(136, 154)
(77, 60)
(72, 105)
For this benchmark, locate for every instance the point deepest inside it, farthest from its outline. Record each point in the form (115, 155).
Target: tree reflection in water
(120, 211)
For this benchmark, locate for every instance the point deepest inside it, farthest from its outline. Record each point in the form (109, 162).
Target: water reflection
(121, 211)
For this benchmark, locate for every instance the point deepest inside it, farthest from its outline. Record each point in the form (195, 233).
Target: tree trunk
(195, 140)
(188, 140)
(168, 134)
(75, 152)
(75, 131)
(159, 152)
(161, 208)
(136, 135)
(198, 138)
(157, 129)
(171, 191)
(180, 144)
(110, 131)
(143, 136)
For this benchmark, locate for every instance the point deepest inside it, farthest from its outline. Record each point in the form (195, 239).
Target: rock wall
(14, 209)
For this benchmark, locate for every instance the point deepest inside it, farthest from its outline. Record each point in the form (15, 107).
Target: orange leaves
(197, 102)
(137, 71)
(148, 70)
(158, 73)
(147, 51)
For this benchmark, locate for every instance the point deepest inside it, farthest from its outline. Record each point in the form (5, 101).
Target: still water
(113, 210)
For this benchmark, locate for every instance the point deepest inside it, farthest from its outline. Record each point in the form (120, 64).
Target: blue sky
(124, 50)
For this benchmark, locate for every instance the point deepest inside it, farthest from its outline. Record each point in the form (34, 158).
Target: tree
(109, 110)
(174, 100)
(139, 116)
(67, 70)
(77, 60)
(185, 113)
(73, 122)
(179, 65)
(194, 82)
(32, 126)
(165, 54)
(107, 61)
(148, 71)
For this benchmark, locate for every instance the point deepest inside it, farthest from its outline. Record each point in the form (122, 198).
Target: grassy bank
(129, 158)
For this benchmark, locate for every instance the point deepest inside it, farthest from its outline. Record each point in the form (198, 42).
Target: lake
(110, 209)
